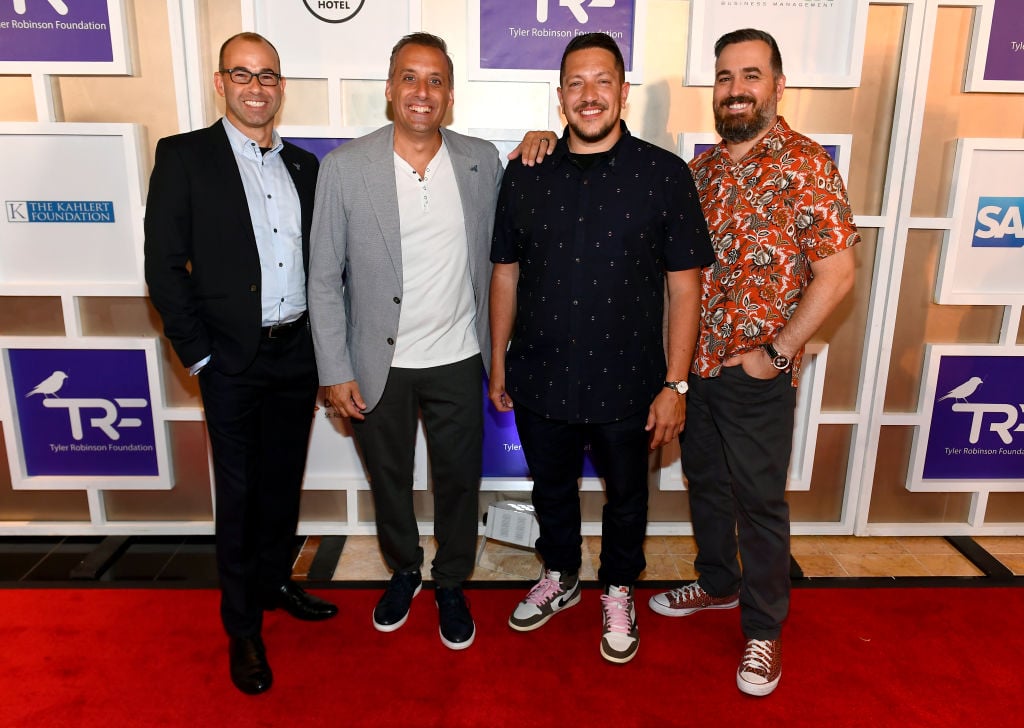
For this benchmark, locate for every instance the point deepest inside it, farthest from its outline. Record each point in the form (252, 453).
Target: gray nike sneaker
(553, 593)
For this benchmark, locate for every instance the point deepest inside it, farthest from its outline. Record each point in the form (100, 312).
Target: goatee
(738, 129)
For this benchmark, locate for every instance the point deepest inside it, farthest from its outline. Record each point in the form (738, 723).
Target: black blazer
(202, 264)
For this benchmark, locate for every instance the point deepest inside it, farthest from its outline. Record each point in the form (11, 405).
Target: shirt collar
(244, 146)
(561, 153)
(773, 140)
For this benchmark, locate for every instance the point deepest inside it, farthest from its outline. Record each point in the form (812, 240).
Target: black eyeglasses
(244, 75)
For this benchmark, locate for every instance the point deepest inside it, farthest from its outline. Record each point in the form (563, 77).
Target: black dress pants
(259, 422)
(449, 400)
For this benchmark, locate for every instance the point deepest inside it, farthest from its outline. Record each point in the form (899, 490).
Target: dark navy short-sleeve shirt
(593, 243)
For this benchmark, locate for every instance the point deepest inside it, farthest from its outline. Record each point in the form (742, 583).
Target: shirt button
(391, 342)
(396, 299)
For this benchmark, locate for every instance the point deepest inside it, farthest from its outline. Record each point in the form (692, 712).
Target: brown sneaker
(689, 599)
(760, 668)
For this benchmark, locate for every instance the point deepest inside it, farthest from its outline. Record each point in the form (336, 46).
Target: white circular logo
(334, 11)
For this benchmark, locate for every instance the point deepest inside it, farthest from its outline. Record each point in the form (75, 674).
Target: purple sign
(84, 411)
(54, 30)
(977, 426)
(532, 35)
(503, 453)
(1005, 59)
(317, 145)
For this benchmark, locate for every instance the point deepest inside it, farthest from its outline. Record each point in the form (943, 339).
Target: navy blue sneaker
(455, 623)
(393, 608)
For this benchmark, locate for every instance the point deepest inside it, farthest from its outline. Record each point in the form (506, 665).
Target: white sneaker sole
(758, 691)
(615, 658)
(392, 627)
(676, 612)
(457, 645)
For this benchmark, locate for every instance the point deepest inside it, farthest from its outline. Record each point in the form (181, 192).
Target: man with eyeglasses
(227, 247)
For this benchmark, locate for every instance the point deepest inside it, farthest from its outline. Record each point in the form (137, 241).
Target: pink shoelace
(543, 590)
(616, 610)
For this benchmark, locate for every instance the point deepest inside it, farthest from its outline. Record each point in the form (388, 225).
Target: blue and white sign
(998, 223)
(972, 432)
(59, 210)
(83, 412)
(983, 252)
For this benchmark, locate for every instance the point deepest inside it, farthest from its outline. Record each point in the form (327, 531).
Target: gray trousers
(735, 455)
(450, 400)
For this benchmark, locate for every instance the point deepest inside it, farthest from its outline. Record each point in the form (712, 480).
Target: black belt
(277, 330)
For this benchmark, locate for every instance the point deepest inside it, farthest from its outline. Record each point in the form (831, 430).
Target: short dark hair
(422, 39)
(594, 40)
(746, 34)
(254, 37)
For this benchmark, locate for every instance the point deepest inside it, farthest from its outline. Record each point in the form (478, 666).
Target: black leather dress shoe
(293, 599)
(250, 671)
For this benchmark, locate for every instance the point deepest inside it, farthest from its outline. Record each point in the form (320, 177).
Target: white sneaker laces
(690, 592)
(757, 657)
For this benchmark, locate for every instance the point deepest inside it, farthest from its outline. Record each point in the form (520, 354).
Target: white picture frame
(822, 44)
(971, 274)
(96, 163)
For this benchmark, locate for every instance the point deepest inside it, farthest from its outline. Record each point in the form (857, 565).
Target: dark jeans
(735, 455)
(554, 455)
(258, 423)
(448, 397)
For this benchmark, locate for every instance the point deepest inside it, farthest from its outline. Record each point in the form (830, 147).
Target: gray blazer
(355, 266)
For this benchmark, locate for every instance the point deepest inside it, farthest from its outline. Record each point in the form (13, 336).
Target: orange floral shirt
(773, 213)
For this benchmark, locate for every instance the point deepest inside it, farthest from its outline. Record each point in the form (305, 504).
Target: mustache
(589, 105)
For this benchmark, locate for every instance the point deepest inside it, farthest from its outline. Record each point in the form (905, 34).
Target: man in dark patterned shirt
(783, 231)
(583, 247)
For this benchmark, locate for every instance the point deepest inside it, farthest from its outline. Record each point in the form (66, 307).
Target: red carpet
(853, 657)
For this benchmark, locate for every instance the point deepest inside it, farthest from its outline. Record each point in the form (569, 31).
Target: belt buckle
(271, 329)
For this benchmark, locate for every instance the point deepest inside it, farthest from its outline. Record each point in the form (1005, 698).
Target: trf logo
(1006, 413)
(575, 7)
(999, 223)
(106, 422)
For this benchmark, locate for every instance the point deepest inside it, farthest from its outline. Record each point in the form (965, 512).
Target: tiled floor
(670, 558)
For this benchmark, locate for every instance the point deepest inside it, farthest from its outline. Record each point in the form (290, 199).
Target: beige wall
(659, 110)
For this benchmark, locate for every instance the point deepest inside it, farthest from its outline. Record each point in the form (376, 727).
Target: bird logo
(963, 391)
(49, 386)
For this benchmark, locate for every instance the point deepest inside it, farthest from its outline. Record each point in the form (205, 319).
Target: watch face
(679, 387)
(781, 362)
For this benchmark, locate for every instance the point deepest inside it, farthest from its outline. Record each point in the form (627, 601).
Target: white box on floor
(512, 522)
